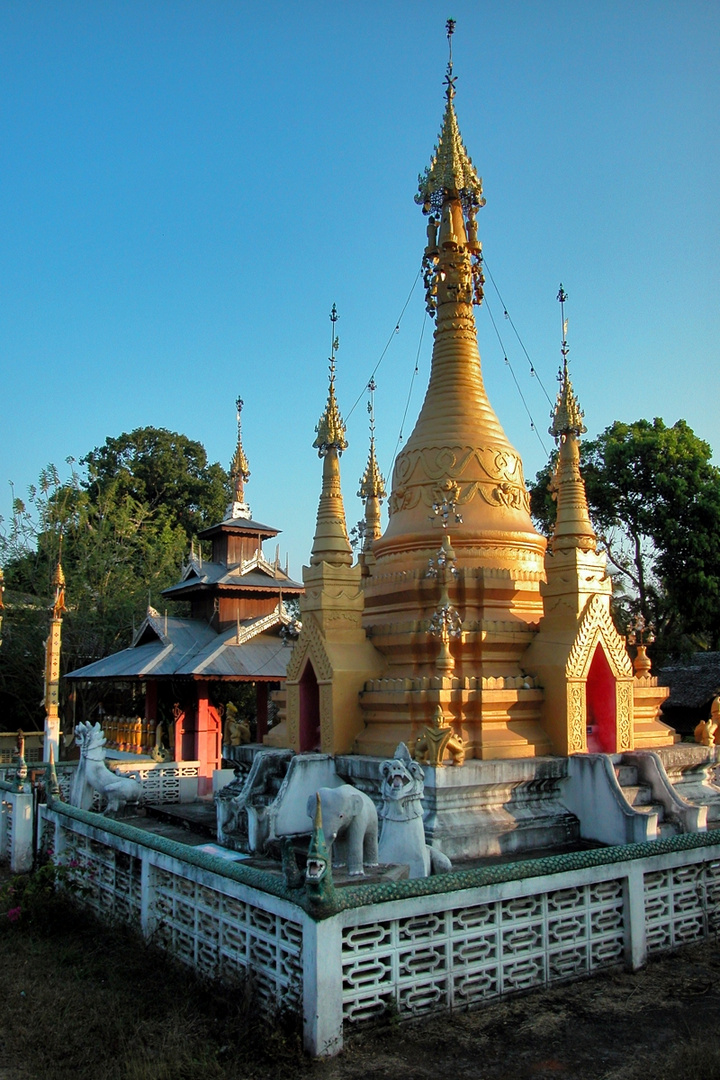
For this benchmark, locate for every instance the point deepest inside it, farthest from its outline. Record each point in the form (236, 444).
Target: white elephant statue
(350, 824)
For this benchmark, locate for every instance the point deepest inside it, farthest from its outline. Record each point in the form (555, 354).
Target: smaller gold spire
(567, 415)
(239, 467)
(372, 482)
(331, 543)
(330, 428)
(58, 581)
(573, 528)
(372, 489)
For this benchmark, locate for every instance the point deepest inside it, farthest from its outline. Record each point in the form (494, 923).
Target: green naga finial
(318, 870)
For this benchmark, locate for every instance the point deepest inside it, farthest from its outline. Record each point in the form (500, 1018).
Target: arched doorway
(309, 710)
(600, 699)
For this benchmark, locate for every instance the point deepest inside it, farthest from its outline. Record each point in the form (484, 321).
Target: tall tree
(654, 499)
(126, 520)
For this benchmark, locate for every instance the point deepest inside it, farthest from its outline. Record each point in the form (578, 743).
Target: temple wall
(418, 947)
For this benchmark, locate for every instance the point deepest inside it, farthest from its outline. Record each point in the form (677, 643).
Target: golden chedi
(459, 475)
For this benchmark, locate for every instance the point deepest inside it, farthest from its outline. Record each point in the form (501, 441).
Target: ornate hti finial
(372, 483)
(239, 467)
(331, 429)
(331, 542)
(450, 193)
(573, 528)
(567, 415)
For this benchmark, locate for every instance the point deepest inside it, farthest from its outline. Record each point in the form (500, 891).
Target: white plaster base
(485, 807)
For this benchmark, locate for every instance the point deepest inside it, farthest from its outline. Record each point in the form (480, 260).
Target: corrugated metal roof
(215, 574)
(239, 525)
(189, 647)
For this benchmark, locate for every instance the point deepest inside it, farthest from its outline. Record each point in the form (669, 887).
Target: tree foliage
(654, 499)
(124, 519)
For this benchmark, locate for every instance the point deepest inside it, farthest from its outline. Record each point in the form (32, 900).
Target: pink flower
(14, 914)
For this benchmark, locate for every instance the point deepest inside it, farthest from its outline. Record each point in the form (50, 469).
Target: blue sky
(187, 188)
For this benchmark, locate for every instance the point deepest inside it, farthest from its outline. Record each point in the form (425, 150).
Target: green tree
(654, 499)
(126, 517)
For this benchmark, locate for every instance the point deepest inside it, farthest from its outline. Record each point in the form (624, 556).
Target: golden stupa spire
(567, 415)
(331, 543)
(573, 528)
(239, 472)
(450, 193)
(458, 453)
(451, 171)
(372, 484)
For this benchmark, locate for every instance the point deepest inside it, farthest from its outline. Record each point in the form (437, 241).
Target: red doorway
(600, 699)
(309, 710)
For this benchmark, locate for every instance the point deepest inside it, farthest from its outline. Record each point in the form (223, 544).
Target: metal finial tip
(334, 315)
(450, 27)
(239, 404)
(562, 295)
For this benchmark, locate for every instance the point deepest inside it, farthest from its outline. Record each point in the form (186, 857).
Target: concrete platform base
(485, 807)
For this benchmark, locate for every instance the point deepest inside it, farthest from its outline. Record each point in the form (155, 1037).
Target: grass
(84, 1001)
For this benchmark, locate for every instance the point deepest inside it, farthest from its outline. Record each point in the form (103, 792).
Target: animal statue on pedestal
(402, 839)
(350, 825)
(93, 774)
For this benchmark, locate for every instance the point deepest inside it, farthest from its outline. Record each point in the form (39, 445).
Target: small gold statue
(237, 732)
(430, 747)
(705, 730)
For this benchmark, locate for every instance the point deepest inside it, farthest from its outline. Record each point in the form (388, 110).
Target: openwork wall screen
(682, 905)
(160, 783)
(207, 921)
(458, 957)
(402, 947)
(223, 936)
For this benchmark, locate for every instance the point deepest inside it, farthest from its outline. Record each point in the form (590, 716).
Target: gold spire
(372, 488)
(331, 543)
(59, 584)
(458, 452)
(372, 483)
(330, 428)
(451, 171)
(52, 663)
(239, 467)
(573, 528)
(567, 415)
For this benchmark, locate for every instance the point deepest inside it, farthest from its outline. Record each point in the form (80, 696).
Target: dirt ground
(659, 1022)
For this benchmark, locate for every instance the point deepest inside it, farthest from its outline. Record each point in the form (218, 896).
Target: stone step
(626, 774)
(652, 808)
(638, 795)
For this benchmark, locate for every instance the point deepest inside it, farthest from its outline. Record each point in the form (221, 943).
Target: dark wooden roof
(693, 682)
